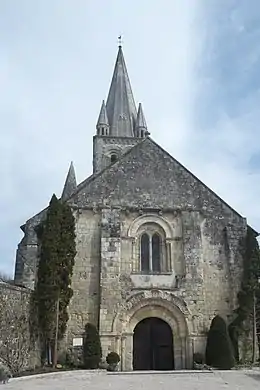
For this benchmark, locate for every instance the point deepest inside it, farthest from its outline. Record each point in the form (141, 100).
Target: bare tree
(5, 277)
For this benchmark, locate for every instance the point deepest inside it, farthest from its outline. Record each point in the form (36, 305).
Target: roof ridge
(194, 176)
(95, 176)
(173, 159)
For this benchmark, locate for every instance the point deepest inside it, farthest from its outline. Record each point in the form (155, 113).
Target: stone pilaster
(192, 246)
(110, 268)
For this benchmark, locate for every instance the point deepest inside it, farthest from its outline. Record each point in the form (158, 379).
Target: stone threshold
(148, 372)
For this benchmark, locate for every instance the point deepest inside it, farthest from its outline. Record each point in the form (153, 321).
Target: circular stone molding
(151, 298)
(150, 218)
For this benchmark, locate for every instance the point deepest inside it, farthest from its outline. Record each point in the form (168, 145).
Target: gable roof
(148, 162)
(106, 184)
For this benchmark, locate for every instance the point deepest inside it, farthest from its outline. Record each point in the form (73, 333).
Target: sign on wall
(77, 341)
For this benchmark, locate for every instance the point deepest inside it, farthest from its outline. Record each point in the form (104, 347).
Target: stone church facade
(158, 253)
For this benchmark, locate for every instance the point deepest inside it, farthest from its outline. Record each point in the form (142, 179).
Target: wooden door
(153, 345)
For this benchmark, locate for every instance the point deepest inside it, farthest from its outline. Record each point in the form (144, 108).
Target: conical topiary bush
(92, 347)
(219, 350)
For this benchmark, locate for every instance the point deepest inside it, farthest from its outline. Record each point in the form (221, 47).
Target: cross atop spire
(121, 109)
(120, 41)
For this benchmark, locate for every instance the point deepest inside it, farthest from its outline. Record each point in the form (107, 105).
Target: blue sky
(194, 64)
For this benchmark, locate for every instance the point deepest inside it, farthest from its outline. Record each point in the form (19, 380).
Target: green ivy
(249, 287)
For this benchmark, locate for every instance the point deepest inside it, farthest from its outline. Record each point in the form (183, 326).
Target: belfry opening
(153, 345)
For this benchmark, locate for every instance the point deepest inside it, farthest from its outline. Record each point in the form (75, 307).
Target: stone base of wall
(16, 349)
(184, 349)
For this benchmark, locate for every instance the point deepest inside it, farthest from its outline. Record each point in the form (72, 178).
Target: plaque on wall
(77, 342)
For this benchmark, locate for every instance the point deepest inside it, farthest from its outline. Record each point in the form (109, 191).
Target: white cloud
(190, 63)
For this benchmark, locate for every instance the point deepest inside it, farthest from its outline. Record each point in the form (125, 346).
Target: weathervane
(120, 40)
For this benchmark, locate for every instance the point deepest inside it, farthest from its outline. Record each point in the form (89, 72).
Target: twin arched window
(150, 253)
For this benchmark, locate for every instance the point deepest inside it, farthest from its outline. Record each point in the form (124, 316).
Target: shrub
(92, 352)
(219, 350)
(112, 360)
(64, 359)
(5, 373)
(198, 358)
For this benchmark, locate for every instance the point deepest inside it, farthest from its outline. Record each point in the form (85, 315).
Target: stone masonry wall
(203, 247)
(27, 253)
(84, 305)
(16, 349)
(110, 284)
(148, 180)
(206, 287)
(103, 147)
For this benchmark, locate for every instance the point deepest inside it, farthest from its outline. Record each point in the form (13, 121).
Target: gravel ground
(79, 380)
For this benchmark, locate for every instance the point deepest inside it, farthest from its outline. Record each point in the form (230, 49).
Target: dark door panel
(153, 345)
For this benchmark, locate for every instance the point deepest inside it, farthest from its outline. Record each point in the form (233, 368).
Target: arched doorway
(153, 345)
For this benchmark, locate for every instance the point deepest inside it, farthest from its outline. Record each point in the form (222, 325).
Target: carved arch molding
(162, 304)
(154, 219)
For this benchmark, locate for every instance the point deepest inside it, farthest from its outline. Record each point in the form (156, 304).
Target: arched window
(150, 252)
(113, 158)
(145, 256)
(156, 249)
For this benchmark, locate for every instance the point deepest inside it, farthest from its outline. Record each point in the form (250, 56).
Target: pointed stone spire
(102, 123)
(141, 126)
(70, 183)
(121, 109)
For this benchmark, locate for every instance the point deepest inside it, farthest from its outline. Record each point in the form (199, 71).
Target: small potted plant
(112, 360)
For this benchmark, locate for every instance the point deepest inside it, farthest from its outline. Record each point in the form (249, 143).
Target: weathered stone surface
(145, 192)
(104, 147)
(148, 177)
(17, 350)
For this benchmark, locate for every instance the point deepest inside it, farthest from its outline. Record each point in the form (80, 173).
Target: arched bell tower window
(113, 158)
(151, 252)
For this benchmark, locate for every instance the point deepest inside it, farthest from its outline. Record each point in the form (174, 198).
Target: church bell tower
(120, 126)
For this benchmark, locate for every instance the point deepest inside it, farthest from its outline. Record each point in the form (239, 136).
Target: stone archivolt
(150, 218)
(148, 303)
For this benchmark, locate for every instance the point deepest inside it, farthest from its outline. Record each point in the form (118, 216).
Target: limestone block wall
(27, 253)
(26, 264)
(199, 255)
(212, 278)
(16, 348)
(103, 147)
(110, 281)
(222, 264)
(84, 305)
